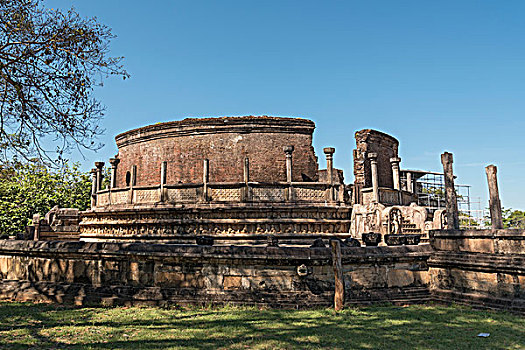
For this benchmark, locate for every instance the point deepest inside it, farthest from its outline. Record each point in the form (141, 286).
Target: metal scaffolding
(430, 190)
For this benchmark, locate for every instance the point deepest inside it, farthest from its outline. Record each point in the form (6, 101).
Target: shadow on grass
(422, 327)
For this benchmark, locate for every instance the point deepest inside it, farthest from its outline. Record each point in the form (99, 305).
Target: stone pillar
(329, 154)
(99, 166)
(94, 186)
(410, 185)
(114, 164)
(133, 176)
(205, 178)
(375, 176)
(246, 174)
(36, 225)
(288, 150)
(163, 179)
(132, 182)
(395, 172)
(163, 172)
(450, 191)
(496, 216)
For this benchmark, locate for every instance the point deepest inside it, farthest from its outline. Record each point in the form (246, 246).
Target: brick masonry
(226, 142)
(386, 147)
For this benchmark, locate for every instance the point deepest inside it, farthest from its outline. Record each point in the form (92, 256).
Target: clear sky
(437, 75)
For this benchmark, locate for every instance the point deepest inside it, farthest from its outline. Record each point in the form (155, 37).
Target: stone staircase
(409, 228)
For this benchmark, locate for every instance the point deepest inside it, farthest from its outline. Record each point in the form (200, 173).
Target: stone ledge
(514, 264)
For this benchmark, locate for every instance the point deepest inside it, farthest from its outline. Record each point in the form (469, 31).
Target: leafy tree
(511, 219)
(50, 62)
(27, 189)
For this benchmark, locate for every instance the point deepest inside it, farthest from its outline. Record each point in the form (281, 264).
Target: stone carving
(266, 194)
(226, 194)
(395, 220)
(310, 194)
(103, 199)
(181, 194)
(146, 196)
(120, 197)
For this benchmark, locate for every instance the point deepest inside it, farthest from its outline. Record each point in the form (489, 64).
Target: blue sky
(437, 75)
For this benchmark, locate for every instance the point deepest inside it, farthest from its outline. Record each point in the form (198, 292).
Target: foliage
(50, 62)
(40, 326)
(511, 218)
(27, 189)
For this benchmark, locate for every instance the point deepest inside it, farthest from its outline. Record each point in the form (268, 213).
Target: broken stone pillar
(94, 187)
(395, 172)
(114, 164)
(288, 150)
(329, 153)
(450, 191)
(410, 185)
(496, 216)
(99, 166)
(375, 176)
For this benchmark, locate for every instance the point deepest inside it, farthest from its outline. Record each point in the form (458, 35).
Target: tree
(511, 219)
(50, 62)
(27, 189)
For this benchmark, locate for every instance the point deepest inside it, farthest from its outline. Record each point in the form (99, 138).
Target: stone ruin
(249, 175)
(237, 211)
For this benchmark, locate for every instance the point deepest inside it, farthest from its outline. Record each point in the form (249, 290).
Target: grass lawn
(42, 326)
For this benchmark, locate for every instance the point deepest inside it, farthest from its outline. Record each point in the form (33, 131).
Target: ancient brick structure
(225, 142)
(231, 175)
(244, 215)
(385, 147)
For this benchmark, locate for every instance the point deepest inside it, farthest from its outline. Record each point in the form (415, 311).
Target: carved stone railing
(227, 192)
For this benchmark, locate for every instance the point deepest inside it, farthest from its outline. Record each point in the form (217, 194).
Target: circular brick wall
(226, 142)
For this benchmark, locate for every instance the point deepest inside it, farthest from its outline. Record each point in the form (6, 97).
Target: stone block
(232, 282)
(368, 277)
(399, 278)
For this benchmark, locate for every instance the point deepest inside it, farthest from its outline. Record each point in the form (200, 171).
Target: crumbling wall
(484, 268)
(156, 274)
(386, 147)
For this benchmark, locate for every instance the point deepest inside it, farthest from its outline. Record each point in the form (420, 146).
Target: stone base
(173, 223)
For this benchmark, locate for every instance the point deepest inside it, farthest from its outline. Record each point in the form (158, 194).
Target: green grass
(42, 326)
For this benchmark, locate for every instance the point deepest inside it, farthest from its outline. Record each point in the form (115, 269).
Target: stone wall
(154, 274)
(484, 268)
(226, 142)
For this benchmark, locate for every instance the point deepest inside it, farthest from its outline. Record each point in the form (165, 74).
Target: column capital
(395, 160)
(371, 155)
(99, 165)
(329, 150)
(114, 162)
(288, 150)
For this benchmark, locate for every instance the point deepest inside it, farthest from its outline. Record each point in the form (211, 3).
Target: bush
(27, 189)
